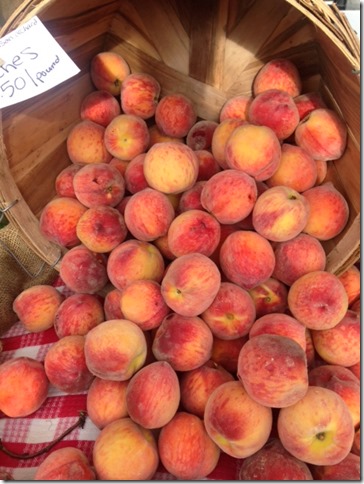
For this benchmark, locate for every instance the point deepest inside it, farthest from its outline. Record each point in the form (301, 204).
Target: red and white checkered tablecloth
(59, 412)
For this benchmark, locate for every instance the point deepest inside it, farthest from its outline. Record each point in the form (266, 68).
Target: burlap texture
(15, 260)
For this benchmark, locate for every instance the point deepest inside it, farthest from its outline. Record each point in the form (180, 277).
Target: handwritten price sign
(31, 62)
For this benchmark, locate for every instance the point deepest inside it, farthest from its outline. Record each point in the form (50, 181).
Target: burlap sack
(19, 269)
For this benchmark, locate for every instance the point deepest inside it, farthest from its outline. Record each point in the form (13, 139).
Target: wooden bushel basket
(209, 50)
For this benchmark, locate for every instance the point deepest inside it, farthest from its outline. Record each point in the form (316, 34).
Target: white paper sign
(31, 62)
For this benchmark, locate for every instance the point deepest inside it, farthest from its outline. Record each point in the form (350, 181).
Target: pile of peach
(202, 319)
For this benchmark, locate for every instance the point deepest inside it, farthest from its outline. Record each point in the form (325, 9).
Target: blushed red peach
(175, 115)
(139, 94)
(191, 198)
(134, 175)
(349, 469)
(351, 280)
(278, 73)
(219, 139)
(235, 107)
(100, 106)
(65, 464)
(207, 165)
(157, 136)
(200, 135)
(225, 352)
(112, 304)
(63, 183)
(85, 143)
(108, 70)
(269, 297)
(309, 101)
(121, 165)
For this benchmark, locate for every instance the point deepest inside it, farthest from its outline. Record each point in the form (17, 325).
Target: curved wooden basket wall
(208, 49)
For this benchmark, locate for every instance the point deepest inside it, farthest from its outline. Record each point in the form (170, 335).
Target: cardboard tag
(31, 62)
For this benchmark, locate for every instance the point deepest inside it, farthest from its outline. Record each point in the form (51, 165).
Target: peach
(277, 110)
(124, 450)
(321, 437)
(342, 381)
(153, 395)
(321, 166)
(115, 349)
(197, 385)
(324, 200)
(134, 260)
(232, 313)
(297, 169)
(269, 297)
(121, 165)
(65, 464)
(225, 352)
(355, 306)
(85, 143)
(170, 167)
(207, 165)
(99, 106)
(185, 449)
(83, 271)
(175, 115)
(108, 70)
(311, 354)
(278, 73)
(323, 134)
(351, 280)
(148, 214)
(246, 258)
(193, 231)
(280, 213)
(139, 95)
(63, 183)
(112, 308)
(58, 220)
(273, 370)
(126, 136)
(77, 314)
(349, 469)
(142, 302)
(298, 256)
(157, 136)
(309, 101)
(162, 245)
(134, 174)
(184, 342)
(340, 344)
(199, 137)
(239, 425)
(253, 149)
(233, 185)
(23, 386)
(191, 198)
(220, 137)
(235, 107)
(37, 306)
(65, 365)
(318, 300)
(274, 463)
(190, 284)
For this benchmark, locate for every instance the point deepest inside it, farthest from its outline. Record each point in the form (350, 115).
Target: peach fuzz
(112, 308)
(37, 306)
(63, 183)
(157, 136)
(309, 101)
(323, 201)
(23, 386)
(340, 345)
(197, 385)
(318, 300)
(269, 297)
(232, 313)
(253, 149)
(142, 303)
(207, 165)
(220, 137)
(225, 352)
(134, 175)
(239, 425)
(298, 256)
(139, 95)
(246, 258)
(184, 342)
(108, 70)
(85, 143)
(99, 106)
(277, 110)
(153, 395)
(148, 214)
(323, 134)
(297, 169)
(235, 107)
(65, 464)
(185, 449)
(124, 450)
(320, 437)
(58, 221)
(190, 284)
(193, 231)
(349, 469)
(134, 260)
(65, 365)
(274, 463)
(77, 314)
(200, 135)
(175, 115)
(278, 73)
(170, 167)
(273, 370)
(115, 349)
(280, 213)
(83, 271)
(106, 401)
(239, 188)
(351, 280)
(191, 198)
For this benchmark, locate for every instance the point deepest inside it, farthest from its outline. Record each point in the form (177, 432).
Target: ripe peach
(140, 95)
(269, 297)
(318, 300)
(162, 245)
(235, 107)
(63, 183)
(278, 73)
(321, 166)
(352, 282)
(225, 352)
(37, 306)
(108, 70)
(199, 137)
(121, 165)
(207, 165)
(157, 136)
(134, 174)
(115, 349)
(191, 198)
(175, 115)
(309, 101)
(23, 386)
(99, 106)
(112, 308)
(220, 137)
(85, 143)
(65, 464)
(349, 469)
